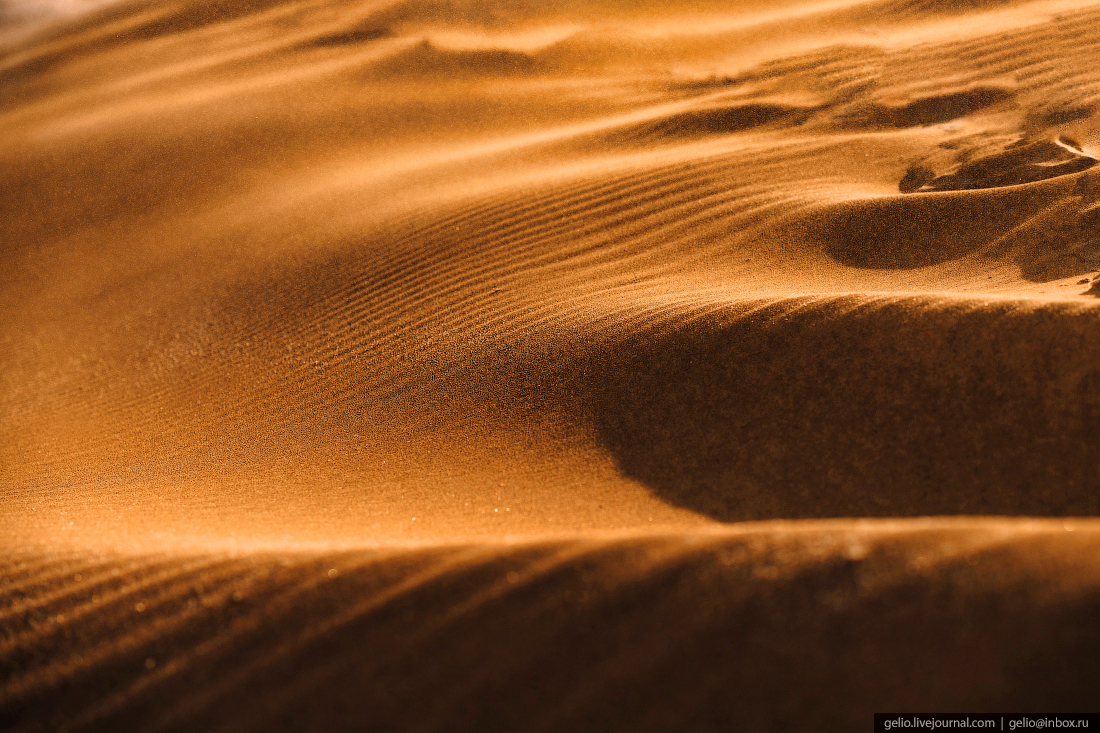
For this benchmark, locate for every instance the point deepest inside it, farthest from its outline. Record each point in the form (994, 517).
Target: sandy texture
(547, 365)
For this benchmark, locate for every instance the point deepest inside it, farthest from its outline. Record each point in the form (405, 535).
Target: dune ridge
(761, 598)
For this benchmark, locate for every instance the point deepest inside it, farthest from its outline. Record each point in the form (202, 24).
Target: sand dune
(550, 366)
(822, 621)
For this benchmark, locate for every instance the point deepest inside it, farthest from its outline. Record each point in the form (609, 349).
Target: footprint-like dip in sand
(1022, 162)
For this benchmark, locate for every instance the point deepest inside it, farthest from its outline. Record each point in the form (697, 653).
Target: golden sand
(546, 365)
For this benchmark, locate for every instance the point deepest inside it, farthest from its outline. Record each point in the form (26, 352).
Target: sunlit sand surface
(547, 366)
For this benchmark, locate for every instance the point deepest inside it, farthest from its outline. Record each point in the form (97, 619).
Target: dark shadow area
(736, 634)
(845, 408)
(903, 8)
(349, 37)
(1059, 243)
(1060, 115)
(915, 178)
(904, 232)
(1020, 163)
(705, 122)
(932, 110)
(1048, 237)
(723, 120)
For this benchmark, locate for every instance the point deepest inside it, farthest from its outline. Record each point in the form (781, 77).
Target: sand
(547, 365)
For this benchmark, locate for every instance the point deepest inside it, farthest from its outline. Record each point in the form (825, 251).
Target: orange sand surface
(498, 365)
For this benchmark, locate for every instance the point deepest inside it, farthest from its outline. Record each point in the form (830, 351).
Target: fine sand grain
(550, 366)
